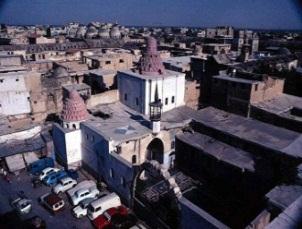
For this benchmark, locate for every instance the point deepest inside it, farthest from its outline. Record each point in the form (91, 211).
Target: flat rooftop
(13, 147)
(77, 87)
(235, 79)
(275, 138)
(102, 72)
(167, 74)
(117, 122)
(284, 195)
(281, 105)
(120, 123)
(219, 150)
(290, 218)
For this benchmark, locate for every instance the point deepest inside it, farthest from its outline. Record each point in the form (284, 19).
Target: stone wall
(111, 96)
(266, 90)
(192, 94)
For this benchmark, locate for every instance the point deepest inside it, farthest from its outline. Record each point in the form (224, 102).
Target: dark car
(118, 217)
(37, 166)
(36, 182)
(35, 222)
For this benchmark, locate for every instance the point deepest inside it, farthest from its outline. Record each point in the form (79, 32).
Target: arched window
(74, 126)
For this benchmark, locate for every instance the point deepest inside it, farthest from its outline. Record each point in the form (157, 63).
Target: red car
(115, 218)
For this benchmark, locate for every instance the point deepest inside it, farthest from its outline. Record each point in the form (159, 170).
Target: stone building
(68, 135)
(220, 31)
(246, 37)
(282, 110)
(22, 95)
(110, 61)
(235, 92)
(216, 48)
(115, 138)
(258, 158)
(137, 88)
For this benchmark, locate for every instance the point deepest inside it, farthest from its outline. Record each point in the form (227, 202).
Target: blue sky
(274, 14)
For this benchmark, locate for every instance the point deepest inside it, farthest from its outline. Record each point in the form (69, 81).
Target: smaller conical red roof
(74, 108)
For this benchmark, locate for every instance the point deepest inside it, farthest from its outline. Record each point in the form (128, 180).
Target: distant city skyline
(257, 14)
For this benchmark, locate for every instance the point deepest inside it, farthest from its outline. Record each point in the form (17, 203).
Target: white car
(81, 210)
(21, 205)
(64, 184)
(45, 172)
(99, 206)
(85, 189)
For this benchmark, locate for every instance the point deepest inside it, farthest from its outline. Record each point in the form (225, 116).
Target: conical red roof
(74, 108)
(151, 63)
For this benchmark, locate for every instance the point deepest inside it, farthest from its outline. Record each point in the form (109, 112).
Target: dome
(81, 31)
(104, 32)
(92, 31)
(74, 108)
(59, 72)
(115, 32)
(151, 63)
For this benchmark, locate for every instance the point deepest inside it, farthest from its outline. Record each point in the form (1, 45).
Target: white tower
(155, 113)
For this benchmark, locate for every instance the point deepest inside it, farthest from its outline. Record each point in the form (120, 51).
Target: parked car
(85, 189)
(99, 206)
(37, 166)
(35, 222)
(45, 172)
(22, 205)
(52, 202)
(115, 218)
(53, 178)
(81, 210)
(36, 182)
(64, 184)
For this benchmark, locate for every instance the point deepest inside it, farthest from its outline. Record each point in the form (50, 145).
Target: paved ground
(62, 220)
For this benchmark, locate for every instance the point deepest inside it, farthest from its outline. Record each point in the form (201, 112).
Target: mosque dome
(91, 32)
(59, 72)
(74, 108)
(104, 32)
(81, 32)
(115, 32)
(150, 62)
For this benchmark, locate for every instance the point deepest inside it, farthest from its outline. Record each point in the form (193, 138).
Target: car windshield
(24, 205)
(90, 208)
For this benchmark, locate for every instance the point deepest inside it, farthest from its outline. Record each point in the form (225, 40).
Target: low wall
(111, 96)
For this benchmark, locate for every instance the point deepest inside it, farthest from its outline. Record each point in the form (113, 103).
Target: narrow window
(134, 159)
(173, 99)
(172, 144)
(111, 173)
(166, 101)
(125, 97)
(136, 101)
(123, 182)
(256, 87)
